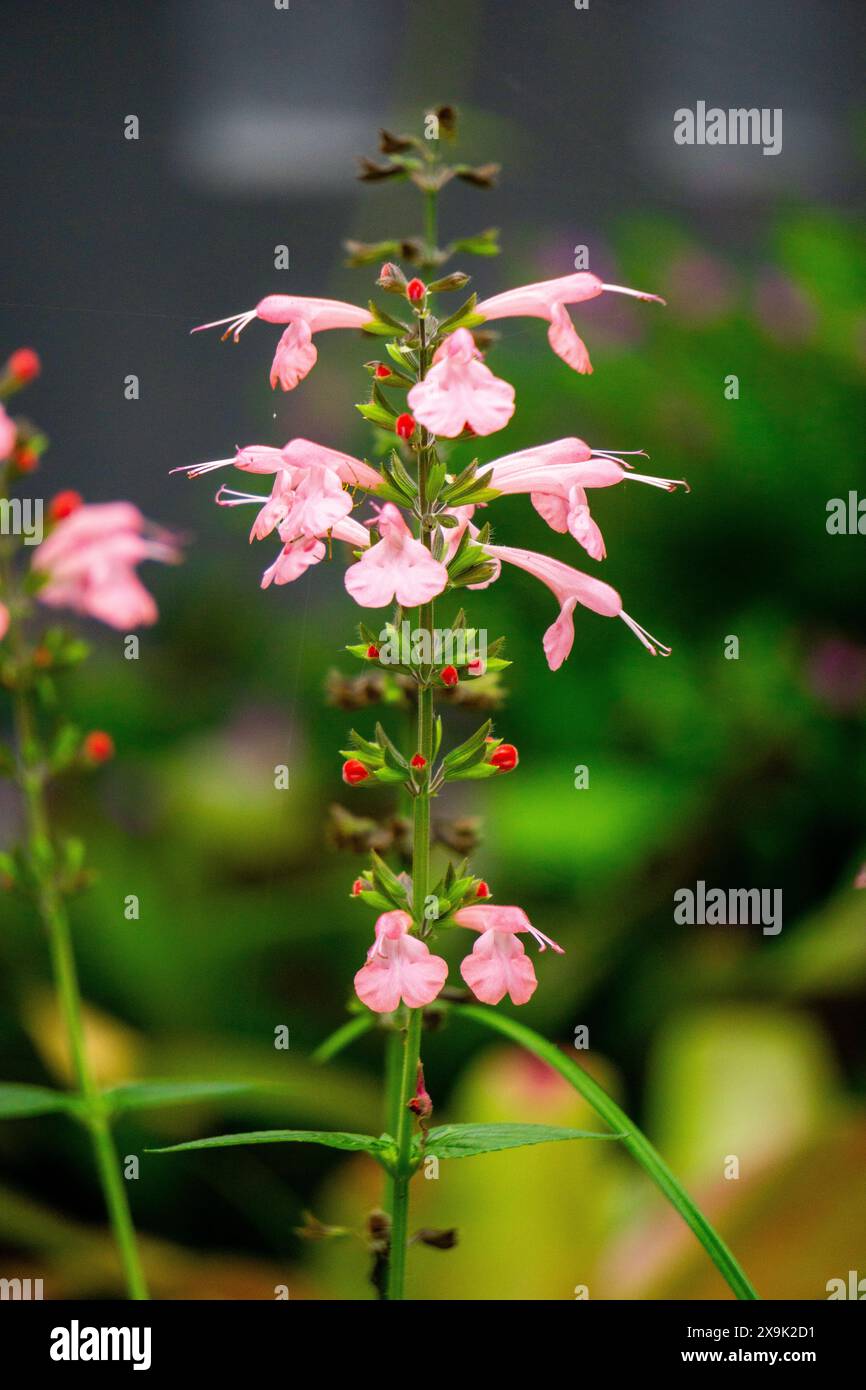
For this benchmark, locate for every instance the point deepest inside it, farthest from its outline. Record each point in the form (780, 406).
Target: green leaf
(18, 1101)
(637, 1143)
(463, 1141)
(140, 1095)
(382, 1148)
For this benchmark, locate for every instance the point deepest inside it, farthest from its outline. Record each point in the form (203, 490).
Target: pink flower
(299, 554)
(90, 560)
(547, 300)
(459, 391)
(397, 566)
(296, 355)
(570, 587)
(399, 966)
(4, 620)
(498, 964)
(556, 476)
(8, 435)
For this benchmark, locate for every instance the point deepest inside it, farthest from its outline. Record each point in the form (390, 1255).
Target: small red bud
(372, 653)
(99, 746)
(25, 459)
(382, 370)
(418, 760)
(24, 365)
(404, 426)
(448, 675)
(482, 890)
(64, 504)
(354, 772)
(415, 290)
(358, 887)
(505, 757)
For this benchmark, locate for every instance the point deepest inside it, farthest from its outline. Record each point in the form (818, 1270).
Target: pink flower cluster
(400, 967)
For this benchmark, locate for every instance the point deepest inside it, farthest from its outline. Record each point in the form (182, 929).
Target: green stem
(56, 922)
(637, 1143)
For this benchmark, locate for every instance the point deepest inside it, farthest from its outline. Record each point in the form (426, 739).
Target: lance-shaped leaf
(141, 1095)
(382, 1148)
(17, 1102)
(470, 751)
(464, 1141)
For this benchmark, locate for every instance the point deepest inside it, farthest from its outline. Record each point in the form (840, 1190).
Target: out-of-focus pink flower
(397, 567)
(837, 674)
(784, 310)
(498, 964)
(4, 620)
(556, 476)
(8, 435)
(460, 391)
(571, 587)
(296, 353)
(547, 300)
(90, 560)
(399, 967)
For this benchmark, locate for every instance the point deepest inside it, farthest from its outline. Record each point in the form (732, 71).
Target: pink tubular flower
(556, 476)
(399, 967)
(498, 964)
(571, 587)
(4, 620)
(547, 300)
(296, 354)
(90, 560)
(397, 567)
(459, 391)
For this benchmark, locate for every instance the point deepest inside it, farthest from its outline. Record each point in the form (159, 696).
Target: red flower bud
(24, 365)
(482, 890)
(358, 887)
(98, 746)
(354, 772)
(25, 459)
(448, 675)
(382, 370)
(372, 653)
(404, 426)
(64, 504)
(415, 290)
(505, 757)
(418, 760)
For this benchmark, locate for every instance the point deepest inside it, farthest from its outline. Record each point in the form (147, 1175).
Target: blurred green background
(743, 773)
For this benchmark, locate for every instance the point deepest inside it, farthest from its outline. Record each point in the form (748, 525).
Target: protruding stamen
(652, 644)
(635, 294)
(238, 499)
(236, 324)
(195, 470)
(667, 484)
(545, 941)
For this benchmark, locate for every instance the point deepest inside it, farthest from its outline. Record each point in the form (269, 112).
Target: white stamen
(635, 294)
(239, 499)
(195, 470)
(237, 323)
(668, 484)
(652, 644)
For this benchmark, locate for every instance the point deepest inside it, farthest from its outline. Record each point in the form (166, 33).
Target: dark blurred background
(745, 773)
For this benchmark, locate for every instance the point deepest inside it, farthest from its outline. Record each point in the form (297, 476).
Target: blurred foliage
(744, 773)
